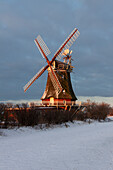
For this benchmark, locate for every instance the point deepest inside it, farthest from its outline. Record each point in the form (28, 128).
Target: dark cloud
(20, 23)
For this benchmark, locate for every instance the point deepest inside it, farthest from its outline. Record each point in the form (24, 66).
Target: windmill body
(67, 96)
(59, 89)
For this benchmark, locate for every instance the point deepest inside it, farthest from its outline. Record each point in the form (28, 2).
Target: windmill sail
(57, 88)
(67, 44)
(37, 75)
(45, 51)
(40, 43)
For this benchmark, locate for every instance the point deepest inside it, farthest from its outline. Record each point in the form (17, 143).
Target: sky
(21, 21)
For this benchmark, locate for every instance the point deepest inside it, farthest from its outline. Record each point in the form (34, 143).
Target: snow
(81, 146)
(110, 118)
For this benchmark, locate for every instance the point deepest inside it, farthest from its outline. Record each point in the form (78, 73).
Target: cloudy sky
(22, 20)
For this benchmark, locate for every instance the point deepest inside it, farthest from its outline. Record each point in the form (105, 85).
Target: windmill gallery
(58, 91)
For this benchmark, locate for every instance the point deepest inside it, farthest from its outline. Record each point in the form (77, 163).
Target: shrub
(97, 111)
(111, 111)
(24, 116)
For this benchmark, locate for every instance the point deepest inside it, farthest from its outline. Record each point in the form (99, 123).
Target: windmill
(58, 88)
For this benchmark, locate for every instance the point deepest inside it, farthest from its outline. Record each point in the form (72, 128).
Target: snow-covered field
(81, 146)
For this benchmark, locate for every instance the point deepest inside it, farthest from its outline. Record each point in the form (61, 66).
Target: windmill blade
(42, 46)
(56, 84)
(34, 78)
(67, 44)
(40, 43)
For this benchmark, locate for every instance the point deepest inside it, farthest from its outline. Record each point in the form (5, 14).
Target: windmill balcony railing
(60, 103)
(55, 103)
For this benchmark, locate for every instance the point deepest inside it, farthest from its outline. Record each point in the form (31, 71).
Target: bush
(97, 111)
(24, 116)
(111, 111)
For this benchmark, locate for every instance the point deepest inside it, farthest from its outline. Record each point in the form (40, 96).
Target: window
(62, 76)
(64, 102)
(64, 91)
(61, 66)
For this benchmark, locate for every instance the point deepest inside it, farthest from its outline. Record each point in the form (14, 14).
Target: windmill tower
(58, 89)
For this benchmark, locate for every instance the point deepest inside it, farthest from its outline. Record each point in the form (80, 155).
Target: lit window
(64, 91)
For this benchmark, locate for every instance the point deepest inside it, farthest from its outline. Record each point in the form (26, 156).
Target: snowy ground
(81, 146)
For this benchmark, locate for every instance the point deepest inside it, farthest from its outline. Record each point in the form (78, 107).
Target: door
(51, 100)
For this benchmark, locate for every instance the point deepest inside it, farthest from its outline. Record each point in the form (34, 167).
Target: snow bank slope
(79, 147)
